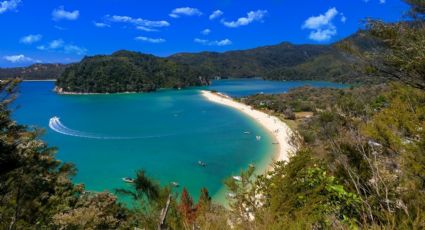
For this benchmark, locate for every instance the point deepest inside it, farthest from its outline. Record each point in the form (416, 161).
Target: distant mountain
(251, 62)
(284, 61)
(126, 71)
(34, 72)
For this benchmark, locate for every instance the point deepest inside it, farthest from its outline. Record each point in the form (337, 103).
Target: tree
(33, 184)
(204, 202)
(186, 207)
(143, 188)
(399, 127)
(399, 55)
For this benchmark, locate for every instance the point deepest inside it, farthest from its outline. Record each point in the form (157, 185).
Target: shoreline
(60, 91)
(39, 80)
(277, 128)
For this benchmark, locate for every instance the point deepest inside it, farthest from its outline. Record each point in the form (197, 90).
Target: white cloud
(147, 29)
(224, 42)
(243, 21)
(216, 14)
(9, 5)
(380, 1)
(140, 23)
(206, 31)
(29, 39)
(343, 18)
(19, 58)
(62, 46)
(60, 13)
(74, 49)
(201, 41)
(185, 11)
(321, 26)
(150, 40)
(317, 22)
(56, 44)
(101, 24)
(59, 27)
(322, 35)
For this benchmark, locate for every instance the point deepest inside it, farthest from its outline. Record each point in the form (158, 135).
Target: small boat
(275, 143)
(231, 195)
(237, 178)
(175, 184)
(258, 138)
(128, 180)
(201, 163)
(247, 132)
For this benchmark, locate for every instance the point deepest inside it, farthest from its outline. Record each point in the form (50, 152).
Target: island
(126, 71)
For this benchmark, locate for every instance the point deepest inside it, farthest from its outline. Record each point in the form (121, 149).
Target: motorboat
(128, 180)
(237, 178)
(231, 195)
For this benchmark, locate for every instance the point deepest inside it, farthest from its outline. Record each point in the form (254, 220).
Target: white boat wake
(56, 125)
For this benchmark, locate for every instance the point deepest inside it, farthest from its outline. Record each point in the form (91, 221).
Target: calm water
(240, 88)
(165, 133)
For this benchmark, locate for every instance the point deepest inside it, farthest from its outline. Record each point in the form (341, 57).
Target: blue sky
(52, 31)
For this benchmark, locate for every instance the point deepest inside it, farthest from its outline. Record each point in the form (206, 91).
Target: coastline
(279, 130)
(60, 91)
(40, 80)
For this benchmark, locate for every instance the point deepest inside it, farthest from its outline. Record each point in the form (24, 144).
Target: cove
(166, 133)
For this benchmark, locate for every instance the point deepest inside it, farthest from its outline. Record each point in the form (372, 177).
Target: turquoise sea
(166, 133)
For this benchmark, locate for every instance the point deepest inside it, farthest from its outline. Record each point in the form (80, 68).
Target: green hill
(284, 61)
(34, 72)
(126, 71)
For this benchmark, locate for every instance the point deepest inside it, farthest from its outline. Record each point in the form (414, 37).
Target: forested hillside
(126, 71)
(252, 62)
(34, 72)
(286, 61)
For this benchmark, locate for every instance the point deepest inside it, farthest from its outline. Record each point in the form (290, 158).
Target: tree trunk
(164, 211)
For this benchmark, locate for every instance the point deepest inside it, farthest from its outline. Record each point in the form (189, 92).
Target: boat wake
(56, 125)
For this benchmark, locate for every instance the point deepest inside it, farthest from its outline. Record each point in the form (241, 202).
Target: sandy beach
(281, 132)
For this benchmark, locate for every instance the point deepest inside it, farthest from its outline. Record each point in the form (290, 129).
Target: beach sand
(281, 132)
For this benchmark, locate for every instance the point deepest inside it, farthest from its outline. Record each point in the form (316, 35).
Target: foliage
(34, 72)
(93, 211)
(400, 55)
(187, 208)
(283, 61)
(399, 127)
(126, 71)
(369, 140)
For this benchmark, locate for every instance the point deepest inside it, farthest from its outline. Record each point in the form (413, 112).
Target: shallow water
(166, 133)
